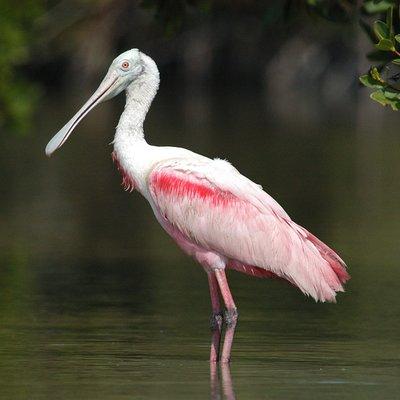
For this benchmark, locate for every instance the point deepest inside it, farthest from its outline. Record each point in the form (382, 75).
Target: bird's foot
(231, 317)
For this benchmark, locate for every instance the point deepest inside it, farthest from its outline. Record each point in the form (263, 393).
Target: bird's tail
(336, 265)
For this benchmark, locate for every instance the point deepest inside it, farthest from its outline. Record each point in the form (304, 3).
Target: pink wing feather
(220, 210)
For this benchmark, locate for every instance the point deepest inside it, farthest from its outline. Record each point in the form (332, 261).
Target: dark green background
(97, 302)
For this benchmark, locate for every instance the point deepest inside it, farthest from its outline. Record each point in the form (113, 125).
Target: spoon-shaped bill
(98, 96)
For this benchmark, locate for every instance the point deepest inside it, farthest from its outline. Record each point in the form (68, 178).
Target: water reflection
(221, 383)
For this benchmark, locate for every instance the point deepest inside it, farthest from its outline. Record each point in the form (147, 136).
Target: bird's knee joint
(216, 321)
(231, 317)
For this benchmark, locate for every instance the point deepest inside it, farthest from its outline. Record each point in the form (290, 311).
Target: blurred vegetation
(385, 78)
(384, 31)
(30, 29)
(17, 95)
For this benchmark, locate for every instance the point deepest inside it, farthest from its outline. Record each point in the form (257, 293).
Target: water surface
(97, 302)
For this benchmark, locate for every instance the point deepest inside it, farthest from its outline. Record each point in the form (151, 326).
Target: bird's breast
(128, 182)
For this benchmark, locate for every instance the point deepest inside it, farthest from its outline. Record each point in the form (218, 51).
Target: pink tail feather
(335, 262)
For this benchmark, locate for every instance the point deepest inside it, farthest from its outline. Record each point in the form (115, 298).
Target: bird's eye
(125, 65)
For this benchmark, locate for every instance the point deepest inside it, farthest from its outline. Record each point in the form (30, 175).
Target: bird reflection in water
(221, 382)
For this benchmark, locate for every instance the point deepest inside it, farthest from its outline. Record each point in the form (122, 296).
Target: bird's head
(124, 70)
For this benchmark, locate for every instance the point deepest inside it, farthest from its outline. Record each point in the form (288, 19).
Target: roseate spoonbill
(215, 214)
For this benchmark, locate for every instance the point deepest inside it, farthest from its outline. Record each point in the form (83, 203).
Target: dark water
(97, 302)
(135, 330)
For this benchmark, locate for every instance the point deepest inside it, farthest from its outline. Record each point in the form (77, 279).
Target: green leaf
(379, 56)
(389, 20)
(385, 45)
(379, 97)
(395, 105)
(370, 82)
(373, 7)
(376, 75)
(396, 61)
(397, 37)
(391, 94)
(381, 30)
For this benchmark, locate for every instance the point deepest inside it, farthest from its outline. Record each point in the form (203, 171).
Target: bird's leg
(231, 314)
(216, 318)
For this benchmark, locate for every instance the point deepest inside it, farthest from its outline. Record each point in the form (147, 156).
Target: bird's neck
(131, 151)
(139, 96)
